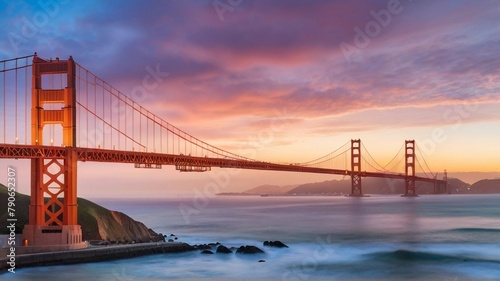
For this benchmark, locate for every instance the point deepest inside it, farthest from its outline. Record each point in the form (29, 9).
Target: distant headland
(370, 186)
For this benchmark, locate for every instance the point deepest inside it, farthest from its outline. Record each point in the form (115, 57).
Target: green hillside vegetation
(97, 222)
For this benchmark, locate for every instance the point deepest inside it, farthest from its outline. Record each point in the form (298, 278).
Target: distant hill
(372, 186)
(325, 187)
(485, 187)
(457, 186)
(97, 222)
(269, 189)
(369, 186)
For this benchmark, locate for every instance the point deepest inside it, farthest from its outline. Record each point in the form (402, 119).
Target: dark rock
(203, 247)
(262, 261)
(249, 250)
(277, 244)
(160, 237)
(188, 247)
(207, 252)
(223, 250)
(170, 240)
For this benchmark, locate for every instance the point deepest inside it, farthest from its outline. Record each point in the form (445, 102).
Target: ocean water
(438, 237)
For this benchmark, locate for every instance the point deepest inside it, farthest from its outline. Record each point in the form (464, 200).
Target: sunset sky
(325, 71)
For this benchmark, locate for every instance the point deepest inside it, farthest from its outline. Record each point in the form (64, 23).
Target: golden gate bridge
(56, 113)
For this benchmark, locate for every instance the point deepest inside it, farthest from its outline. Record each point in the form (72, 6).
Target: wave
(418, 256)
(472, 229)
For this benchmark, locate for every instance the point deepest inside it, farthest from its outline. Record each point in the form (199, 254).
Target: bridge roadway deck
(18, 151)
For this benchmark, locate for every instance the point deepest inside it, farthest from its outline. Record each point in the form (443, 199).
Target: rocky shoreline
(114, 252)
(112, 235)
(96, 254)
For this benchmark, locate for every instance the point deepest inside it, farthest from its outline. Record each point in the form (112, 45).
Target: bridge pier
(53, 222)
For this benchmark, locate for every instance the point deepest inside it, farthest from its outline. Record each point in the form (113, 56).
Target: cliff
(98, 223)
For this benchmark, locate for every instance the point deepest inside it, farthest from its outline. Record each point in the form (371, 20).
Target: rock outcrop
(99, 223)
(276, 244)
(223, 250)
(202, 247)
(249, 250)
(218, 248)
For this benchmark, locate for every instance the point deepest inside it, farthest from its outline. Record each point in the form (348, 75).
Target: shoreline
(96, 254)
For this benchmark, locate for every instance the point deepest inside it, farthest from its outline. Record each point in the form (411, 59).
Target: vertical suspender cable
(140, 124)
(87, 112)
(51, 132)
(125, 107)
(123, 115)
(153, 119)
(95, 111)
(79, 117)
(52, 125)
(26, 102)
(103, 106)
(117, 109)
(4, 101)
(133, 124)
(147, 130)
(154, 129)
(111, 111)
(119, 121)
(15, 94)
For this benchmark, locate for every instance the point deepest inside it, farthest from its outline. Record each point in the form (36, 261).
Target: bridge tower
(356, 168)
(447, 189)
(53, 208)
(410, 168)
(438, 187)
